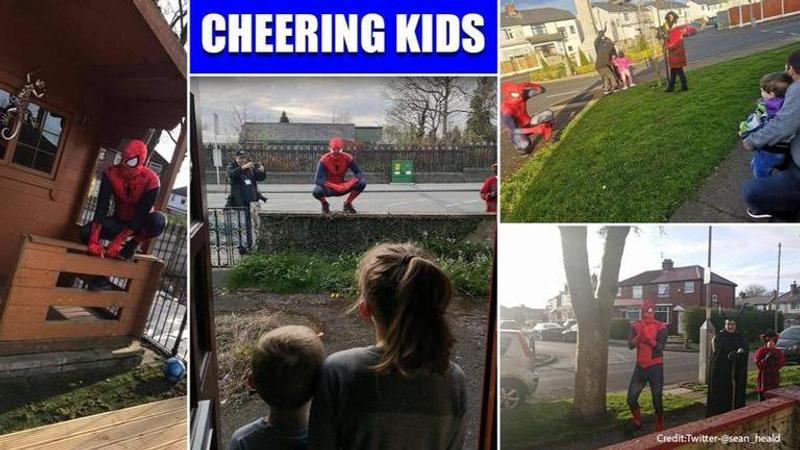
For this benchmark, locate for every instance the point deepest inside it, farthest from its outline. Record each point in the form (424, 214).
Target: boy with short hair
(773, 91)
(285, 366)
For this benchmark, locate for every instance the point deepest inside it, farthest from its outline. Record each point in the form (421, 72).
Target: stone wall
(343, 233)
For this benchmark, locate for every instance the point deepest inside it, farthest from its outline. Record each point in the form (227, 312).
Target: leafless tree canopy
(176, 14)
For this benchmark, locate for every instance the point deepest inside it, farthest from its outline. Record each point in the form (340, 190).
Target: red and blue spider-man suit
(134, 189)
(649, 337)
(514, 114)
(330, 181)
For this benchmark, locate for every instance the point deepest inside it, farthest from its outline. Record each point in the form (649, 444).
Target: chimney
(794, 289)
(667, 264)
(511, 9)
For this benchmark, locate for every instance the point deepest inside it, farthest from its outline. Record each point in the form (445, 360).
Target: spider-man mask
(648, 310)
(336, 144)
(133, 157)
(512, 93)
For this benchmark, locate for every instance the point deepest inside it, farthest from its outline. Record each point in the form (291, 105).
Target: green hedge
(749, 322)
(620, 327)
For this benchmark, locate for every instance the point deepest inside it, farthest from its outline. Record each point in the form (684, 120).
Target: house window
(663, 290)
(508, 33)
(625, 17)
(632, 314)
(538, 29)
(637, 292)
(35, 147)
(571, 29)
(688, 287)
(662, 313)
(569, 48)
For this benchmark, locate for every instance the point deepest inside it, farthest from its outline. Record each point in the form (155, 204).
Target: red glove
(116, 245)
(94, 248)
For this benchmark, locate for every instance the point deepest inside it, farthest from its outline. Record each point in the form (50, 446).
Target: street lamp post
(707, 329)
(777, 291)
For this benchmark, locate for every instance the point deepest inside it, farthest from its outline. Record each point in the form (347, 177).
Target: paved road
(462, 198)
(568, 97)
(558, 380)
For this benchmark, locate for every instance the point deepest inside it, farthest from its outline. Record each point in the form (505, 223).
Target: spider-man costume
(134, 189)
(514, 114)
(648, 336)
(330, 182)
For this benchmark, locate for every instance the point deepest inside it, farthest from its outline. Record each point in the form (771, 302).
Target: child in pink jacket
(624, 66)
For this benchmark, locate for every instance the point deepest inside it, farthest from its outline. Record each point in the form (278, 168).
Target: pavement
(557, 380)
(568, 97)
(432, 198)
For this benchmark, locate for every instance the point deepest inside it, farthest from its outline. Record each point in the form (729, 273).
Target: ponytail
(409, 295)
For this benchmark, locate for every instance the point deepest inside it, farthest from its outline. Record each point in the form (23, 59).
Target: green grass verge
(637, 155)
(539, 424)
(467, 265)
(56, 398)
(790, 375)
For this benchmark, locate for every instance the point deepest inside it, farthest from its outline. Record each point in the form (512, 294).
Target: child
(769, 360)
(624, 66)
(403, 392)
(285, 367)
(489, 191)
(773, 89)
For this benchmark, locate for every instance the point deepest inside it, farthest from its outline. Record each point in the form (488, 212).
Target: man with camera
(243, 176)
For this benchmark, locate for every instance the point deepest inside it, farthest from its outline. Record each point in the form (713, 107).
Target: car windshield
(791, 333)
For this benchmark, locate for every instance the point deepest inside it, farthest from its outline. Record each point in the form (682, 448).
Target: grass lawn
(637, 155)
(540, 424)
(38, 401)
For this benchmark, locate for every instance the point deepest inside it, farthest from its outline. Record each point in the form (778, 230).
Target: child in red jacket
(489, 191)
(769, 360)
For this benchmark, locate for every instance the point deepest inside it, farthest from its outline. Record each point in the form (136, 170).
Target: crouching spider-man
(330, 182)
(134, 189)
(515, 118)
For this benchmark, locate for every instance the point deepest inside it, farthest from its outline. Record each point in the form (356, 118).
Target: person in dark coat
(243, 176)
(728, 378)
(604, 48)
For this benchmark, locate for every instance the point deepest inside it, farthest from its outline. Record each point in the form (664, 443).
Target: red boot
(637, 417)
(659, 419)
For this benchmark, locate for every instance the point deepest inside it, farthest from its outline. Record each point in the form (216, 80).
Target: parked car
(789, 343)
(547, 331)
(569, 323)
(518, 379)
(509, 324)
(570, 334)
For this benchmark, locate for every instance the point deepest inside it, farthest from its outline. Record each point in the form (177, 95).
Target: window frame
(29, 174)
(641, 291)
(665, 308)
(666, 293)
(687, 290)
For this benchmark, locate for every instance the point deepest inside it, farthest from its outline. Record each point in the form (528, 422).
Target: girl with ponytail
(403, 392)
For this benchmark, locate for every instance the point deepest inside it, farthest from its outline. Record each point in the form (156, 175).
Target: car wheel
(512, 393)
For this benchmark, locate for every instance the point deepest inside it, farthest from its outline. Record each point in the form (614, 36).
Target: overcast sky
(531, 268)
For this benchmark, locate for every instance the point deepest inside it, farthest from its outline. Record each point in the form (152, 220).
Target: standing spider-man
(330, 182)
(649, 337)
(515, 118)
(134, 189)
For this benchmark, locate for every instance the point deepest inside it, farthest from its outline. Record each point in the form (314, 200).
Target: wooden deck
(159, 425)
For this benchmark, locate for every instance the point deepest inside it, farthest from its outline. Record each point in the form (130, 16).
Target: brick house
(673, 290)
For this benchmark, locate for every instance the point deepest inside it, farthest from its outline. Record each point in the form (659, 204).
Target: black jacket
(244, 186)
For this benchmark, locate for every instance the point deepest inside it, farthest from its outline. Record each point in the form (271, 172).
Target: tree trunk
(593, 313)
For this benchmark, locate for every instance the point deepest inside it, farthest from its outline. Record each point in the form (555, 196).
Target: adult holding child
(779, 193)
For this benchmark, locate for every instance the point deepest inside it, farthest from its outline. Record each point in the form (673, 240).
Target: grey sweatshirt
(783, 126)
(356, 408)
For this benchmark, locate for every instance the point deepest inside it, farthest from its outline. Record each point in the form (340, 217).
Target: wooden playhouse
(113, 71)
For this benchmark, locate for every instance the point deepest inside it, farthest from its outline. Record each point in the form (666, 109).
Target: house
(623, 22)
(177, 200)
(657, 11)
(673, 290)
(531, 38)
(789, 304)
(757, 302)
(703, 9)
(559, 308)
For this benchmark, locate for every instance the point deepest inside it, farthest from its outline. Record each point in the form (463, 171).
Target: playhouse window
(37, 146)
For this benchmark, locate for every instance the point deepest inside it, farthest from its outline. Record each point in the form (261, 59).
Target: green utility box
(402, 171)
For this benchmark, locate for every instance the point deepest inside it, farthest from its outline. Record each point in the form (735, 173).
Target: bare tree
(425, 107)
(239, 117)
(754, 290)
(592, 301)
(176, 14)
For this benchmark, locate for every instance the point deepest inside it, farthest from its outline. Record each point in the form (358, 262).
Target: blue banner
(345, 36)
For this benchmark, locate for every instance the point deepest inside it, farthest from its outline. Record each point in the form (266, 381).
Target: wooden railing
(46, 306)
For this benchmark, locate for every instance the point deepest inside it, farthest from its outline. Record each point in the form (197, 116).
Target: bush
(620, 327)
(749, 322)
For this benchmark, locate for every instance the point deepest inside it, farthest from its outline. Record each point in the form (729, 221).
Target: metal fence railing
(166, 326)
(230, 235)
